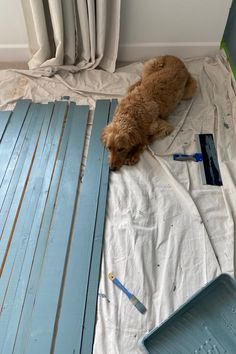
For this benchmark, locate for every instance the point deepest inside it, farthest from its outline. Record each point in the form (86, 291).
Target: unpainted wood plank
(69, 328)
(96, 255)
(11, 134)
(24, 259)
(4, 119)
(48, 294)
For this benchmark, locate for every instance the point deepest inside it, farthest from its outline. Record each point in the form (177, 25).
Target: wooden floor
(48, 222)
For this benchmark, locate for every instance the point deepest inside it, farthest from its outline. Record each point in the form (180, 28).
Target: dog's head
(120, 144)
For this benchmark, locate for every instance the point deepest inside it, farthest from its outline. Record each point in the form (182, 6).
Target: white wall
(181, 27)
(148, 28)
(13, 36)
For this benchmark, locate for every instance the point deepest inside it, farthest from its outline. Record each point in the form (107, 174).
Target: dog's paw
(132, 160)
(169, 131)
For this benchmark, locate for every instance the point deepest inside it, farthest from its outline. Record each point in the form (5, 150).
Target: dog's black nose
(113, 168)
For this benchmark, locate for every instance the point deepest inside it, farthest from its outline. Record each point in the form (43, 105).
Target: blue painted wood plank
(28, 189)
(32, 286)
(94, 274)
(35, 151)
(24, 259)
(9, 213)
(11, 134)
(4, 119)
(48, 294)
(69, 331)
(16, 233)
(21, 183)
(16, 163)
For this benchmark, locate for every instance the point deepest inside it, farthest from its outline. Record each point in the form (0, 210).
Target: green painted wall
(229, 39)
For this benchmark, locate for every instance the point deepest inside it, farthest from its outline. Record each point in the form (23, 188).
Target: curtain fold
(72, 34)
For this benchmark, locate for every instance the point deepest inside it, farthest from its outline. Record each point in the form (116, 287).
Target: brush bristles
(139, 306)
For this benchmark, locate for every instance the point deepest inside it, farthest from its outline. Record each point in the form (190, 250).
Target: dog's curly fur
(140, 117)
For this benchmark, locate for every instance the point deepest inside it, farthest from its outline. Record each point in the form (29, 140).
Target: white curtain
(75, 34)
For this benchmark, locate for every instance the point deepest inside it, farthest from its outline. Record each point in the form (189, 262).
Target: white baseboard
(127, 52)
(143, 51)
(14, 53)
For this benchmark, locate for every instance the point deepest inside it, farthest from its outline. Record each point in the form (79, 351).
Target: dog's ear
(104, 136)
(106, 132)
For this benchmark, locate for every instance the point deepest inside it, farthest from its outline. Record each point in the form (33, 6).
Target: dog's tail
(153, 65)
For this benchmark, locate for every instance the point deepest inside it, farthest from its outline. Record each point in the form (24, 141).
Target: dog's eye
(121, 150)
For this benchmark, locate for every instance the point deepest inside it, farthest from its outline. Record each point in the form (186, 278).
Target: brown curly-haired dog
(140, 116)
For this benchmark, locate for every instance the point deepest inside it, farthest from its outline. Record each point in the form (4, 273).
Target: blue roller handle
(184, 157)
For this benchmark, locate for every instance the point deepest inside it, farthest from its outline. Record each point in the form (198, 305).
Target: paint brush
(139, 306)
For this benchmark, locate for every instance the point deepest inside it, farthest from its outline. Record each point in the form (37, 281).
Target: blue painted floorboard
(51, 226)
(41, 174)
(24, 327)
(4, 119)
(70, 325)
(43, 323)
(89, 321)
(11, 134)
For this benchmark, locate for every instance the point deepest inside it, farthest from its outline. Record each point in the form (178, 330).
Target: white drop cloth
(166, 233)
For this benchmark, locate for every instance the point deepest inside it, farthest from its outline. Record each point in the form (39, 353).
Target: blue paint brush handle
(184, 157)
(120, 286)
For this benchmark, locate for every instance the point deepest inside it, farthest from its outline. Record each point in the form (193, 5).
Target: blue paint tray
(204, 324)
